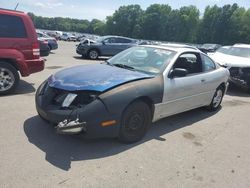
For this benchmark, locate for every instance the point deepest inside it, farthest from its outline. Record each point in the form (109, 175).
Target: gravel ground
(192, 149)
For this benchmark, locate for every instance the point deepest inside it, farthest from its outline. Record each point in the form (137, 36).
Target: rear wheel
(9, 78)
(217, 99)
(135, 122)
(93, 54)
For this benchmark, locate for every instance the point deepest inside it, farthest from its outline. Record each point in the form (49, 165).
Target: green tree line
(225, 25)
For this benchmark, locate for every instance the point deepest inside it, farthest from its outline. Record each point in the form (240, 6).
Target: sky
(89, 9)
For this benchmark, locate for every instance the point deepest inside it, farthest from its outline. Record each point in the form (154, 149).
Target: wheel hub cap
(93, 54)
(217, 99)
(135, 122)
(6, 79)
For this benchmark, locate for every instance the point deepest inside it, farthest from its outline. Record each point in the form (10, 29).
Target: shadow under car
(60, 150)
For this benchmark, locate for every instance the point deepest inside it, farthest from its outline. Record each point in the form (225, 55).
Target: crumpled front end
(76, 112)
(240, 76)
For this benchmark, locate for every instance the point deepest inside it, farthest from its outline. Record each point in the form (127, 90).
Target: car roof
(12, 12)
(176, 45)
(179, 49)
(116, 36)
(225, 46)
(242, 45)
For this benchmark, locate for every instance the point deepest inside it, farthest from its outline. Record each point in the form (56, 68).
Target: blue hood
(96, 77)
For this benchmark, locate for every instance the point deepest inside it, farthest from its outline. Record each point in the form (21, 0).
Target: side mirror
(177, 72)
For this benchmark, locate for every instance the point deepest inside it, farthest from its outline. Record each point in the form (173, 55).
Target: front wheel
(135, 122)
(93, 54)
(217, 99)
(9, 78)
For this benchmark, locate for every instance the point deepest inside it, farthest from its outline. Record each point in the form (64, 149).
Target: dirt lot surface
(193, 149)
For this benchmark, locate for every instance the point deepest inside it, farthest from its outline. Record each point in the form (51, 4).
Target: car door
(184, 93)
(108, 47)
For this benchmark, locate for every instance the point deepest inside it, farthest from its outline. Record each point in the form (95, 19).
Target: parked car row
(104, 46)
(52, 43)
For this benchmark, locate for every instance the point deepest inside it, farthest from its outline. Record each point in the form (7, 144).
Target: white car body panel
(192, 91)
(230, 61)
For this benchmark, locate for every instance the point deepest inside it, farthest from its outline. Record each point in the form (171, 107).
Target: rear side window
(123, 40)
(12, 27)
(208, 64)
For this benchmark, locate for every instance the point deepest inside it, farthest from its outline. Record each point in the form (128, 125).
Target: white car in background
(68, 37)
(237, 60)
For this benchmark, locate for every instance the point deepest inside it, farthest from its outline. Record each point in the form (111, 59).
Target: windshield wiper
(124, 66)
(107, 62)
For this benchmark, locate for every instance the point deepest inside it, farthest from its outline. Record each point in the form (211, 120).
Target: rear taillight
(36, 50)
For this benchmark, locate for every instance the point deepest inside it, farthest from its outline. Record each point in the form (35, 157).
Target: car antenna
(16, 6)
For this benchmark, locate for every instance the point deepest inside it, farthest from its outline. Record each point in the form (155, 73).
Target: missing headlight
(66, 99)
(69, 99)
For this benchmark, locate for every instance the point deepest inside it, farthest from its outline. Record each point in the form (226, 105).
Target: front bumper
(81, 50)
(240, 76)
(91, 115)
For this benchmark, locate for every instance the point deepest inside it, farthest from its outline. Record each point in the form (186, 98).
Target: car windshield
(223, 50)
(208, 46)
(239, 51)
(143, 59)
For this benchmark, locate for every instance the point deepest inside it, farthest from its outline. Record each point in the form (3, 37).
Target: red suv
(19, 49)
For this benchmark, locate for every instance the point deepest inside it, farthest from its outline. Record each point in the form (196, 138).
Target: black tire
(216, 104)
(7, 70)
(135, 122)
(93, 54)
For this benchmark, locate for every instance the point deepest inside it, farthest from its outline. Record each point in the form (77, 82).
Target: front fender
(117, 99)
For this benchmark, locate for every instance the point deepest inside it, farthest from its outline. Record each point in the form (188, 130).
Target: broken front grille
(241, 75)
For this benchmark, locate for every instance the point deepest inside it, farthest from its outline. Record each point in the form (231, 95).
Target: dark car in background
(52, 43)
(44, 47)
(209, 48)
(104, 46)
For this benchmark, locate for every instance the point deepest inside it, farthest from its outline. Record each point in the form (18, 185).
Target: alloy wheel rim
(93, 54)
(7, 79)
(217, 99)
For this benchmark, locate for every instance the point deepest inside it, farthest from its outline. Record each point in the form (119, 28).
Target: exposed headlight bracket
(69, 99)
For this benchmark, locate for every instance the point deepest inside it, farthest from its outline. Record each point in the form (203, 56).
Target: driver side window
(190, 62)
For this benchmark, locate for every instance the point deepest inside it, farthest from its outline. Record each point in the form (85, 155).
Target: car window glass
(122, 40)
(144, 59)
(110, 40)
(208, 64)
(189, 61)
(12, 27)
